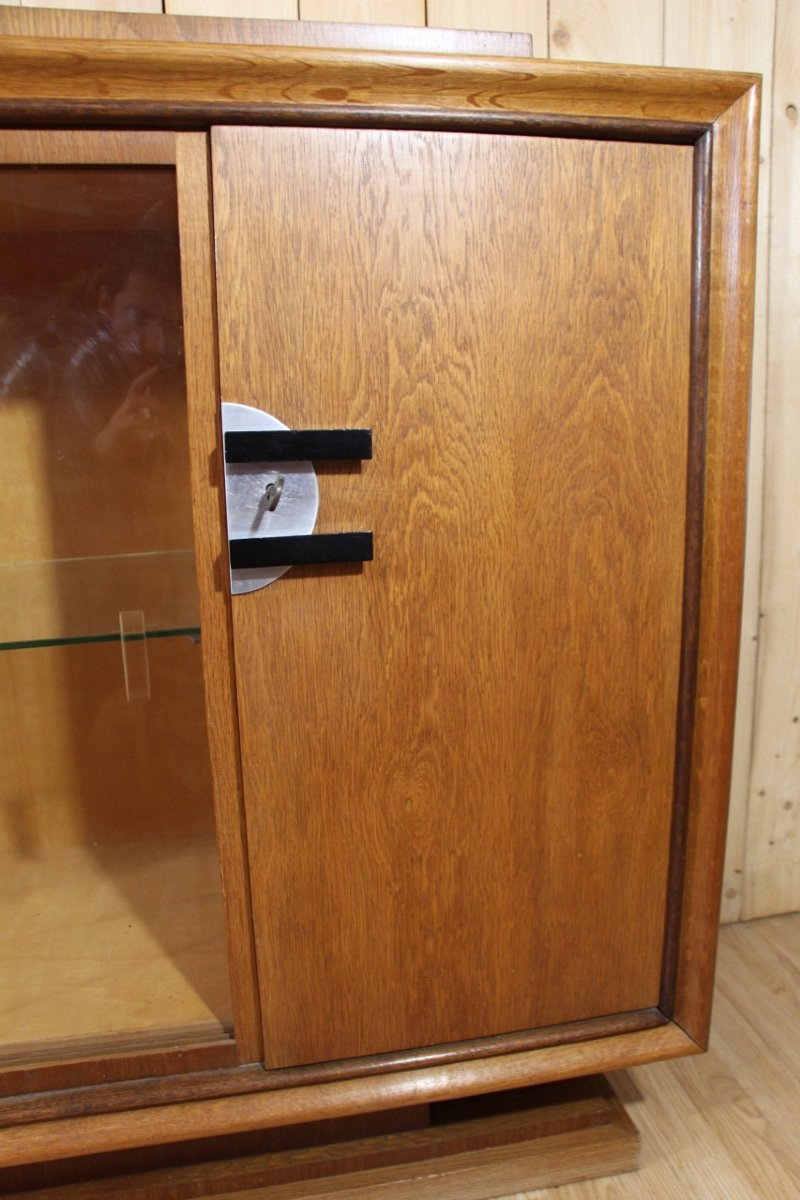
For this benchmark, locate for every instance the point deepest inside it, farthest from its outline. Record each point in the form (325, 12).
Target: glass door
(111, 916)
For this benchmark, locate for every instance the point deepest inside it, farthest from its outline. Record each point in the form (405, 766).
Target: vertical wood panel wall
(763, 863)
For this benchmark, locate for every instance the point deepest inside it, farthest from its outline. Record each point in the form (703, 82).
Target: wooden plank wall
(763, 864)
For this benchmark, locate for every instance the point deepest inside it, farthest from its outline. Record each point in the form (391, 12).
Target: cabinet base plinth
(485, 1146)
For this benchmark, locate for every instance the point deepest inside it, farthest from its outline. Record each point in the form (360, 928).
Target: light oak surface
(724, 1124)
(377, 12)
(261, 9)
(526, 16)
(86, 147)
(458, 740)
(122, 6)
(761, 873)
(626, 93)
(772, 875)
(606, 30)
(730, 35)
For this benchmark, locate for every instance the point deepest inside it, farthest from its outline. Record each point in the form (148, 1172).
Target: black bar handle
(297, 445)
(300, 550)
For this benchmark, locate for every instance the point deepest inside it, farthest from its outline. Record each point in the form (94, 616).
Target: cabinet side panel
(459, 761)
(731, 300)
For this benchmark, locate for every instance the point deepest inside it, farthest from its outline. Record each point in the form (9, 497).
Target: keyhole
(272, 494)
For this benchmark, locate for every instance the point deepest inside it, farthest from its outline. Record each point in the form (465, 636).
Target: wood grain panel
(731, 272)
(142, 6)
(629, 31)
(524, 16)
(469, 1150)
(375, 12)
(51, 1140)
(731, 36)
(281, 9)
(86, 147)
(45, 76)
(772, 881)
(125, 1086)
(204, 1167)
(527, 496)
(38, 22)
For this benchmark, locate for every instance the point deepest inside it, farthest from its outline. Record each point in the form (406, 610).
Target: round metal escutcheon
(275, 499)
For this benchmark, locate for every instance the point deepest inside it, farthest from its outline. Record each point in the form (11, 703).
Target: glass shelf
(78, 600)
(192, 632)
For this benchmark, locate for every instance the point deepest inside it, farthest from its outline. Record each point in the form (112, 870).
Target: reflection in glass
(109, 894)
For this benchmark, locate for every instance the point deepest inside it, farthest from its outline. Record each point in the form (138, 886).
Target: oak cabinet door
(459, 759)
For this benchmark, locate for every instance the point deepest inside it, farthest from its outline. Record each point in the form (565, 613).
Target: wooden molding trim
(693, 561)
(126, 114)
(67, 70)
(136, 1083)
(471, 1147)
(169, 1123)
(42, 1071)
(730, 333)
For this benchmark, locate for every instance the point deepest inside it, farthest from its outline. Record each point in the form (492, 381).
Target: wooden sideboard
(468, 798)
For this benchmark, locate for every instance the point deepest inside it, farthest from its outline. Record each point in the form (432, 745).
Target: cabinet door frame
(182, 87)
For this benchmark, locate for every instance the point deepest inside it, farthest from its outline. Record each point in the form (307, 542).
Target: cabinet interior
(110, 896)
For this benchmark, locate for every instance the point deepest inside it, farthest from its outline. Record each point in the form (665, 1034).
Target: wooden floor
(724, 1125)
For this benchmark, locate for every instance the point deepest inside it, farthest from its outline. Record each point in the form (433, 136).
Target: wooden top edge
(119, 70)
(734, 83)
